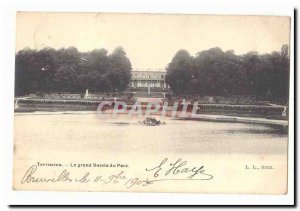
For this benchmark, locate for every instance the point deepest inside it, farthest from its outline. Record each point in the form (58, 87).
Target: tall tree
(179, 72)
(120, 70)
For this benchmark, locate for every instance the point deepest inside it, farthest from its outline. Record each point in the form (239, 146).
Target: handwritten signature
(179, 167)
(177, 170)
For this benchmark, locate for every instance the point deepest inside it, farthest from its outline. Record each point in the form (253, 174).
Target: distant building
(148, 78)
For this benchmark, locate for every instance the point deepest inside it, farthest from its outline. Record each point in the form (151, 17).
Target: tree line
(216, 73)
(68, 70)
(211, 72)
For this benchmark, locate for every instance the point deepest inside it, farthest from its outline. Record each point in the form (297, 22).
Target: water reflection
(72, 132)
(257, 129)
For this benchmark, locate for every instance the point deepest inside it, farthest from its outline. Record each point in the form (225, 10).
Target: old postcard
(152, 103)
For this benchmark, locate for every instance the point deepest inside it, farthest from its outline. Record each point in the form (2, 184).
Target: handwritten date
(163, 171)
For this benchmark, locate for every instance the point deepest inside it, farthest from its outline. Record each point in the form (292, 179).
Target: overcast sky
(149, 40)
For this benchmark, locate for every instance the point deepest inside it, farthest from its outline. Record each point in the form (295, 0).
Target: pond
(81, 131)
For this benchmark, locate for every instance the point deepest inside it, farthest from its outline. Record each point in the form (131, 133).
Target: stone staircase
(151, 94)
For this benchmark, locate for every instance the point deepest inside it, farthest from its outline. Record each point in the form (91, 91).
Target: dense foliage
(217, 73)
(68, 70)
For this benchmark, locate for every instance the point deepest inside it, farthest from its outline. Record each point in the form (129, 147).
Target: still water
(88, 132)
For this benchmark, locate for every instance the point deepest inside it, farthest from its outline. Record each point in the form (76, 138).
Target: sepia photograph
(144, 102)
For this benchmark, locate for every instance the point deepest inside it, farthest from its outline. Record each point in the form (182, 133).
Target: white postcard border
(187, 6)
